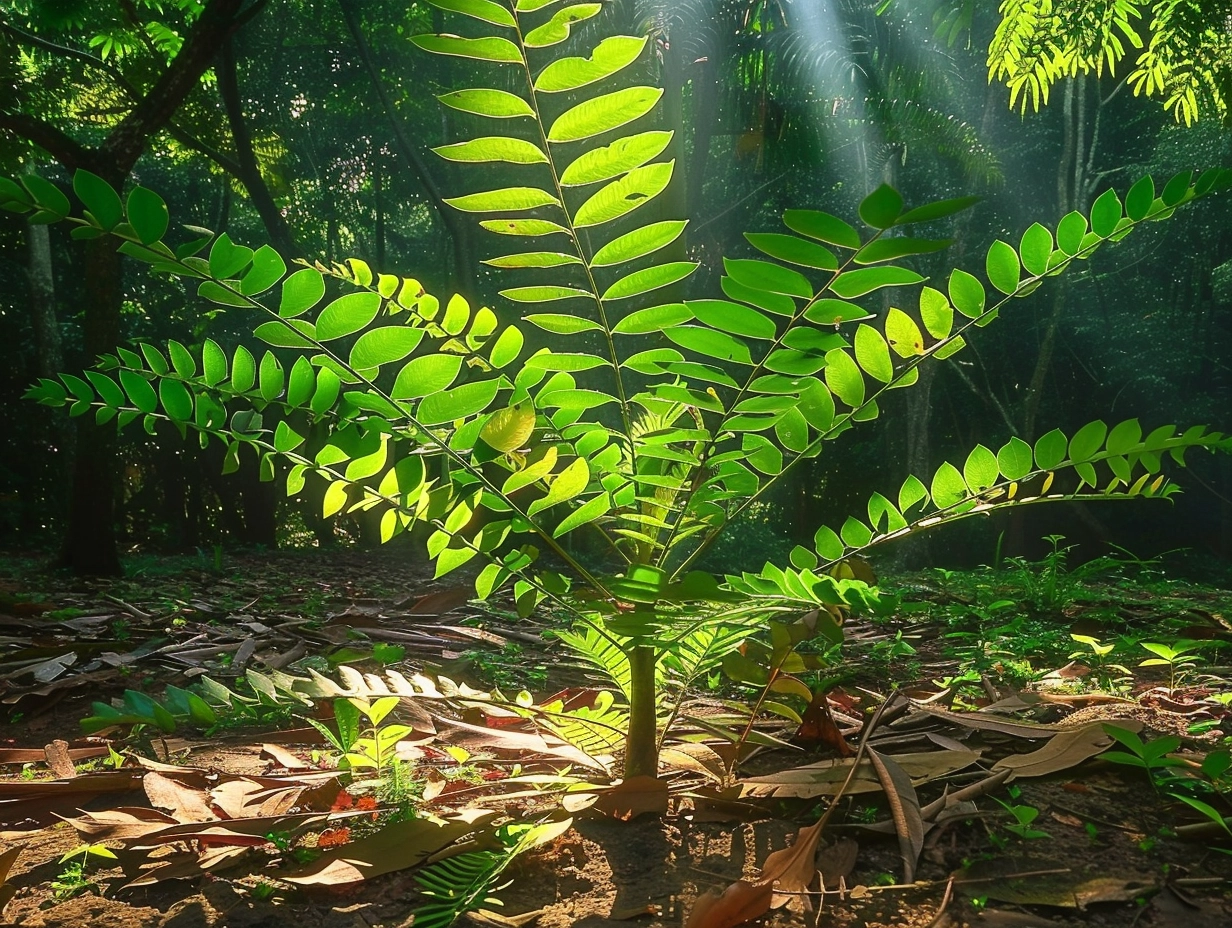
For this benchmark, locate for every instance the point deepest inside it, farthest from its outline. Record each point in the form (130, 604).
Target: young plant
(1177, 658)
(1151, 756)
(73, 879)
(1023, 816)
(1098, 651)
(651, 422)
(374, 749)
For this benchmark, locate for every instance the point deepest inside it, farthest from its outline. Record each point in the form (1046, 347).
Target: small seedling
(1098, 651)
(1023, 817)
(377, 747)
(1150, 756)
(73, 880)
(1177, 658)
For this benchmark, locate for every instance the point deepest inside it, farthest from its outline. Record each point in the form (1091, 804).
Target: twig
(945, 902)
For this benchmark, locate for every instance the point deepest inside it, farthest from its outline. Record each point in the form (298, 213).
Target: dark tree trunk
(90, 543)
(248, 171)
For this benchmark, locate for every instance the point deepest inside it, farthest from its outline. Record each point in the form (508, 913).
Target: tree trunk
(641, 745)
(456, 228)
(249, 172)
(90, 543)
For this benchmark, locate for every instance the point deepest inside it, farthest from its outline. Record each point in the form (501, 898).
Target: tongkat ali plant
(663, 421)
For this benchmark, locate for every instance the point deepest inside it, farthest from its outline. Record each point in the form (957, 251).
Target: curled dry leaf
(825, 777)
(741, 902)
(7, 889)
(836, 861)
(1064, 750)
(818, 728)
(633, 797)
(397, 846)
(904, 810)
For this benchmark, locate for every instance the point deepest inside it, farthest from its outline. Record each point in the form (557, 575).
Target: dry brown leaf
(7, 890)
(124, 824)
(397, 846)
(836, 861)
(58, 759)
(818, 728)
(474, 737)
(698, 758)
(257, 797)
(633, 797)
(145, 870)
(1065, 750)
(184, 803)
(904, 810)
(284, 758)
(741, 902)
(825, 777)
(721, 805)
(989, 722)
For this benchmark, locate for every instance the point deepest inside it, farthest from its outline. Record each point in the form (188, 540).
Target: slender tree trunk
(641, 746)
(90, 544)
(456, 228)
(246, 160)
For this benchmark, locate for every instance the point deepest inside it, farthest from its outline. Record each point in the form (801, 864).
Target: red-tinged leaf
(741, 902)
(334, 837)
(633, 797)
(818, 728)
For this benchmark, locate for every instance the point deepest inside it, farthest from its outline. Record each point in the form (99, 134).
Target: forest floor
(1010, 784)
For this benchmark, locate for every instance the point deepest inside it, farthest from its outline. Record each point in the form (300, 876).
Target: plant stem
(641, 745)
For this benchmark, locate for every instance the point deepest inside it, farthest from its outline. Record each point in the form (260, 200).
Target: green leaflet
(560, 324)
(762, 275)
(713, 344)
(557, 29)
(653, 319)
(384, 345)
(793, 250)
(347, 315)
(544, 294)
(881, 208)
(651, 278)
(821, 226)
(980, 470)
(484, 10)
(588, 512)
(1002, 267)
(498, 104)
(734, 318)
(564, 487)
(425, 375)
(290, 333)
(858, 283)
(638, 243)
(493, 148)
(1014, 459)
(98, 197)
(500, 51)
(458, 403)
(1036, 249)
(504, 200)
(618, 158)
(301, 291)
(602, 114)
(147, 214)
(620, 197)
(531, 227)
(533, 259)
(843, 377)
(873, 354)
(611, 55)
